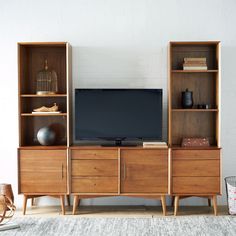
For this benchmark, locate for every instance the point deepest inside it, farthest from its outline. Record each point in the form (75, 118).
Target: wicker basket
(5, 189)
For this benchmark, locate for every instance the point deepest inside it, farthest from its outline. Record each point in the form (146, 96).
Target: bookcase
(43, 170)
(205, 162)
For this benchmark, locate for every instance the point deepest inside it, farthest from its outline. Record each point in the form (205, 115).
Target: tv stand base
(77, 199)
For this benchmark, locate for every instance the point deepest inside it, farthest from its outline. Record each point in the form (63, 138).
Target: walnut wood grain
(94, 154)
(196, 167)
(94, 185)
(43, 171)
(144, 171)
(94, 168)
(196, 185)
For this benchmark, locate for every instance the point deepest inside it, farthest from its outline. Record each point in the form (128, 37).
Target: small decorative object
(203, 106)
(46, 136)
(195, 142)
(195, 63)
(53, 109)
(5, 189)
(7, 208)
(46, 81)
(187, 99)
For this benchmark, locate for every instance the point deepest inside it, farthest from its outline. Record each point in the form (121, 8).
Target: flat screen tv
(118, 114)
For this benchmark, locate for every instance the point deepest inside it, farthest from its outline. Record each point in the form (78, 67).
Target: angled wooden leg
(25, 203)
(209, 202)
(76, 203)
(62, 197)
(172, 201)
(214, 201)
(68, 200)
(32, 201)
(176, 205)
(163, 203)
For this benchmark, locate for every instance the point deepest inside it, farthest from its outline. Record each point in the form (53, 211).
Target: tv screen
(111, 114)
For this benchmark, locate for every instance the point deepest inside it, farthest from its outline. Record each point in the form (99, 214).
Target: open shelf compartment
(30, 126)
(181, 50)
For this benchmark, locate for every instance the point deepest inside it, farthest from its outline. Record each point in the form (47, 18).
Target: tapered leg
(68, 200)
(76, 203)
(172, 201)
(62, 197)
(24, 204)
(163, 203)
(209, 202)
(176, 205)
(214, 201)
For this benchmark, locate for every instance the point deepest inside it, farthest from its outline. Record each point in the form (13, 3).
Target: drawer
(143, 153)
(196, 167)
(28, 154)
(196, 185)
(158, 185)
(195, 154)
(94, 168)
(95, 185)
(94, 154)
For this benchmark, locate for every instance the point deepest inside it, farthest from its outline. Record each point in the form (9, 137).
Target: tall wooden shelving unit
(42, 170)
(195, 171)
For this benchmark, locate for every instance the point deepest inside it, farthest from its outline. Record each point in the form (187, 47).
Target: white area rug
(182, 225)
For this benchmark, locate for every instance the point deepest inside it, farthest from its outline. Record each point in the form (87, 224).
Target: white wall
(116, 43)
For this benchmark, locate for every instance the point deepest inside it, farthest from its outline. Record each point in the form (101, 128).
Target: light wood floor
(120, 211)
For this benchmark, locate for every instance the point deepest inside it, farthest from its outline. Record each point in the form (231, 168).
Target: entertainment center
(91, 171)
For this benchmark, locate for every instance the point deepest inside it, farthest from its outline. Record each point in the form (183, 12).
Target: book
(195, 63)
(195, 67)
(155, 144)
(195, 59)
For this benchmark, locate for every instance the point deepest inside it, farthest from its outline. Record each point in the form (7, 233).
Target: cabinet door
(42, 171)
(144, 171)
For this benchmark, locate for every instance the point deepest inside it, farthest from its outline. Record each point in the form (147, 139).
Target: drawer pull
(62, 174)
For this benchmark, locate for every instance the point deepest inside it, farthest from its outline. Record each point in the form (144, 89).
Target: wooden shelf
(41, 96)
(194, 71)
(34, 114)
(205, 85)
(194, 110)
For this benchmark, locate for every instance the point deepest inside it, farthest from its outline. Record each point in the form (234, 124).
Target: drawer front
(144, 153)
(94, 168)
(43, 171)
(196, 167)
(37, 154)
(94, 154)
(95, 185)
(196, 185)
(196, 154)
(145, 185)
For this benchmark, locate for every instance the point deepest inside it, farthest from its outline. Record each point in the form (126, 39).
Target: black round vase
(187, 99)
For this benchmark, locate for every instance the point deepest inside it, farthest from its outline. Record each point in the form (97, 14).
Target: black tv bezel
(119, 139)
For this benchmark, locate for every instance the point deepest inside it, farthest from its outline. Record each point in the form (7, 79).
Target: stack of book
(155, 145)
(198, 63)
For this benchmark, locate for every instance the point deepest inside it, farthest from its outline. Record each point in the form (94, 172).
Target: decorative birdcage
(46, 81)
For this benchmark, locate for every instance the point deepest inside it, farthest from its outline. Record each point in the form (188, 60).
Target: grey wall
(115, 44)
